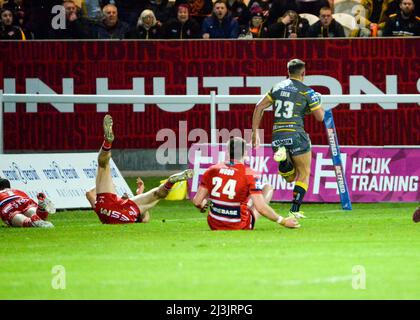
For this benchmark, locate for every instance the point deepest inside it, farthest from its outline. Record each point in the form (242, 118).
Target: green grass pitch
(182, 259)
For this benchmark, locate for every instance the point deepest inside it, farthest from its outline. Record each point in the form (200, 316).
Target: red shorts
(8, 210)
(111, 209)
(247, 222)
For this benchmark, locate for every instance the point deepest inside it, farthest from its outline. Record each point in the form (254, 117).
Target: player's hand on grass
(290, 223)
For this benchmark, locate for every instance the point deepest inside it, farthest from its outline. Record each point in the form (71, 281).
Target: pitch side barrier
(213, 99)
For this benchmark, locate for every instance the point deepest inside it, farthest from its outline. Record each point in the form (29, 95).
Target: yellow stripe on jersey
(303, 93)
(288, 130)
(316, 107)
(313, 103)
(290, 122)
(268, 95)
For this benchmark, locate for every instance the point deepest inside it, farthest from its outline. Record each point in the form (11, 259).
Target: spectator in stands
(256, 26)
(128, 10)
(8, 31)
(326, 27)
(291, 25)
(161, 10)
(239, 11)
(199, 9)
(110, 27)
(277, 9)
(76, 27)
(220, 25)
(147, 27)
(183, 26)
(265, 5)
(404, 23)
(19, 17)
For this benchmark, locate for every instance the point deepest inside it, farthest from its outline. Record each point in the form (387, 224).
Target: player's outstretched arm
(200, 199)
(263, 104)
(268, 212)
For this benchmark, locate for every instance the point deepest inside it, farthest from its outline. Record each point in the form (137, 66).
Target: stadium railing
(213, 99)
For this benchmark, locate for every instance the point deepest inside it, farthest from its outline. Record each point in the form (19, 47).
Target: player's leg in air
(267, 192)
(113, 209)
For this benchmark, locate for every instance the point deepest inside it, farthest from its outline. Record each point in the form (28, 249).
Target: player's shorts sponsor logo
(110, 213)
(231, 212)
(282, 142)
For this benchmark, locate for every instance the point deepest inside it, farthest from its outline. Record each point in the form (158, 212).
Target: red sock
(168, 185)
(42, 214)
(106, 146)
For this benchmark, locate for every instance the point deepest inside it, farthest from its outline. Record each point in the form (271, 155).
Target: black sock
(298, 194)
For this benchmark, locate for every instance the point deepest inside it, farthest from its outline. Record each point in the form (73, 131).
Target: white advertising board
(63, 177)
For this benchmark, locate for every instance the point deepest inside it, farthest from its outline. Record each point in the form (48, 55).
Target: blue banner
(336, 158)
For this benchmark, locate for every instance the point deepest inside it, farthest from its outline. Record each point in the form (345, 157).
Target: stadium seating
(310, 17)
(345, 6)
(349, 23)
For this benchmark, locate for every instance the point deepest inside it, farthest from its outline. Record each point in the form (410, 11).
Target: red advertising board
(347, 66)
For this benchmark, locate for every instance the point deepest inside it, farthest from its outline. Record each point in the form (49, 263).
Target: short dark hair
(4, 184)
(219, 1)
(325, 8)
(236, 148)
(295, 66)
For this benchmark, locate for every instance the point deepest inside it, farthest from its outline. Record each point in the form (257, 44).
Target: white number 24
(287, 110)
(228, 189)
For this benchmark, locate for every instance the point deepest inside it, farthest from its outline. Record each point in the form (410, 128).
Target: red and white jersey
(229, 186)
(8, 195)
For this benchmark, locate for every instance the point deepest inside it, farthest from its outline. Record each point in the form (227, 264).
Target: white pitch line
(171, 220)
(333, 279)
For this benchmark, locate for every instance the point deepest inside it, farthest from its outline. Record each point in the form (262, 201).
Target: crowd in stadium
(198, 19)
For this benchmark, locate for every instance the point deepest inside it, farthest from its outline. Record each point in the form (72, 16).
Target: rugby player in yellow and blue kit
(291, 100)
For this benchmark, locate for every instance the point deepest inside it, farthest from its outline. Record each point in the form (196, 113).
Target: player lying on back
(18, 210)
(112, 209)
(225, 189)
